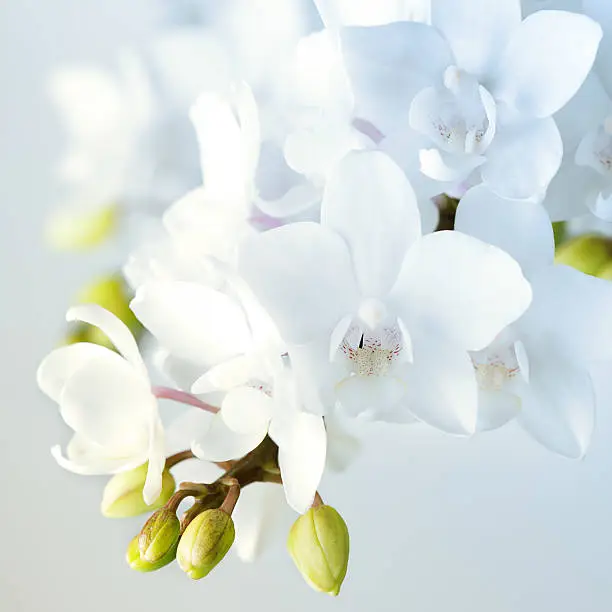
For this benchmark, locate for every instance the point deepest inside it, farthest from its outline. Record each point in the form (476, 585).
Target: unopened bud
(605, 272)
(136, 562)
(111, 293)
(79, 229)
(159, 535)
(205, 542)
(122, 495)
(319, 546)
(588, 253)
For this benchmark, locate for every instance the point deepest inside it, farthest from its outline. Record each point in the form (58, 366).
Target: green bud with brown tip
(159, 535)
(319, 546)
(588, 254)
(136, 562)
(205, 542)
(122, 495)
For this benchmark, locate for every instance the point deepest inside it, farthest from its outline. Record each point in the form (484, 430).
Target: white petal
(369, 202)
(109, 403)
(302, 275)
(477, 30)
(573, 308)
(301, 458)
(90, 459)
(520, 228)
(157, 460)
(496, 408)
(546, 61)
(57, 367)
(113, 327)
(227, 146)
(558, 406)
(567, 194)
(192, 321)
(370, 396)
(448, 168)
(441, 383)
(232, 373)
(223, 444)
(460, 288)
(258, 518)
(296, 200)
(523, 159)
(387, 69)
(247, 411)
(343, 445)
(600, 11)
(586, 111)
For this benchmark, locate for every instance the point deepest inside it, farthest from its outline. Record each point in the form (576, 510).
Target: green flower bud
(122, 495)
(111, 293)
(588, 253)
(205, 542)
(605, 272)
(319, 546)
(159, 535)
(70, 229)
(136, 562)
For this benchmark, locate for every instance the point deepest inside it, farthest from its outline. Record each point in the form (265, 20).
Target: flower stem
(184, 398)
(173, 460)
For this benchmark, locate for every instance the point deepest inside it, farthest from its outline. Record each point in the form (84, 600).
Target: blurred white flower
(130, 143)
(539, 370)
(399, 310)
(106, 398)
(367, 13)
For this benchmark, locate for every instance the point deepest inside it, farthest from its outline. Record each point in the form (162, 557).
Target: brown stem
(173, 460)
(229, 503)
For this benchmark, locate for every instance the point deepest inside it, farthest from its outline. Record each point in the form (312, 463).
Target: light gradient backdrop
(437, 524)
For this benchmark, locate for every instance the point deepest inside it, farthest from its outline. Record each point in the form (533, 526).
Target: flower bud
(122, 495)
(319, 546)
(159, 535)
(605, 272)
(588, 253)
(111, 293)
(136, 562)
(72, 229)
(205, 542)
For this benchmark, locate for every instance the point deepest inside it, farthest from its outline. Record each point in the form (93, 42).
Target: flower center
(371, 353)
(595, 150)
(494, 369)
(459, 117)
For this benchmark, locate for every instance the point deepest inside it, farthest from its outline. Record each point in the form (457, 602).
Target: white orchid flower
(472, 97)
(106, 398)
(539, 370)
(241, 354)
(397, 309)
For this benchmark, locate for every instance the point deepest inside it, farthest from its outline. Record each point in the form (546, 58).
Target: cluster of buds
(318, 541)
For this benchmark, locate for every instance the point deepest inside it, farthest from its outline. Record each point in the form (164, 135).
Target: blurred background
(437, 524)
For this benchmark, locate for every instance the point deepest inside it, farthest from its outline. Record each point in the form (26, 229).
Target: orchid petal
(370, 203)
(518, 227)
(546, 61)
(116, 330)
(290, 268)
(193, 321)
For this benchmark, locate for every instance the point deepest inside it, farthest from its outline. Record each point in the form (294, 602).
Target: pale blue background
(437, 524)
